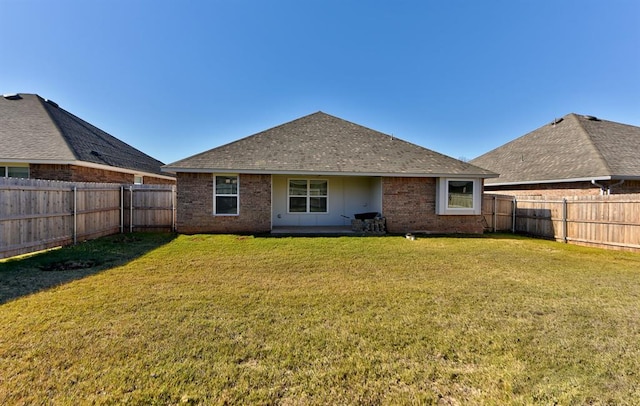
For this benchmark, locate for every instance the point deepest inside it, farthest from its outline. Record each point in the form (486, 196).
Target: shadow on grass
(27, 275)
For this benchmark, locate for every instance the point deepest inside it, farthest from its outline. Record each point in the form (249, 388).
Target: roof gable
(618, 144)
(39, 130)
(321, 143)
(27, 131)
(574, 147)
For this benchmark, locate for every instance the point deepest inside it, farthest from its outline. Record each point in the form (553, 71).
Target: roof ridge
(590, 139)
(241, 139)
(324, 144)
(42, 102)
(103, 135)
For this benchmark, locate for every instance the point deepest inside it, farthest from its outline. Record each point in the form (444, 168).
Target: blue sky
(175, 78)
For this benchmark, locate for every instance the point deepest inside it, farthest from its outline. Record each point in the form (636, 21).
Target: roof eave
(325, 173)
(546, 181)
(87, 165)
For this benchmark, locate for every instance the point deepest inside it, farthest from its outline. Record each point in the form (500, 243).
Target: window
(460, 194)
(14, 171)
(137, 179)
(459, 197)
(308, 196)
(225, 195)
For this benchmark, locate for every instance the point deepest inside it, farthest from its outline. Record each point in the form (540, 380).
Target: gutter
(88, 165)
(615, 185)
(604, 190)
(175, 169)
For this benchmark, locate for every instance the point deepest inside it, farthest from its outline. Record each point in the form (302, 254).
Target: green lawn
(153, 319)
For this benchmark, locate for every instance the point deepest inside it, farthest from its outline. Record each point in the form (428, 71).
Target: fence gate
(40, 214)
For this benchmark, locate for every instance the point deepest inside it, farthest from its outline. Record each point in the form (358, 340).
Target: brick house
(571, 156)
(322, 171)
(40, 140)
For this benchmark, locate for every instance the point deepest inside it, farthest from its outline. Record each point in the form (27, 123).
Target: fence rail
(498, 212)
(611, 221)
(40, 214)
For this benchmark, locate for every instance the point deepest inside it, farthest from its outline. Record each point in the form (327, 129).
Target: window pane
(298, 187)
(226, 205)
(3, 171)
(318, 188)
(460, 194)
(18, 172)
(318, 204)
(226, 185)
(298, 204)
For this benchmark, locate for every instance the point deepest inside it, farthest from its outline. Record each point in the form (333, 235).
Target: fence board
(603, 221)
(498, 212)
(39, 214)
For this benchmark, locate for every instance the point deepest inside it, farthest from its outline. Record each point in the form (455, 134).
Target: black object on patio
(366, 216)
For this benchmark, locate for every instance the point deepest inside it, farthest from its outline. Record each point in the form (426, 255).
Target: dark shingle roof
(33, 129)
(321, 143)
(575, 147)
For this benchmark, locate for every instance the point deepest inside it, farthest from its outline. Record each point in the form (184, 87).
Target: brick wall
(409, 205)
(150, 180)
(565, 189)
(75, 173)
(51, 172)
(195, 205)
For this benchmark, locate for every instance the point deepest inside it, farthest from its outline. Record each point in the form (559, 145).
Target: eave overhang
(88, 165)
(548, 181)
(325, 173)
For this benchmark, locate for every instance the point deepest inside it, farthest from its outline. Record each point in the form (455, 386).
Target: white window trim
(141, 179)
(442, 198)
(236, 195)
(308, 212)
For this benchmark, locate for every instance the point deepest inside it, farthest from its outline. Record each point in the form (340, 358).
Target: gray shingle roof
(575, 147)
(321, 143)
(35, 130)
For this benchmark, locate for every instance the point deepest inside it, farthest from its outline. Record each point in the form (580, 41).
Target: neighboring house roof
(323, 144)
(35, 130)
(573, 148)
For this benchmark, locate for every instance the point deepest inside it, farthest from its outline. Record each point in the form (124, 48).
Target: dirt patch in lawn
(68, 265)
(28, 275)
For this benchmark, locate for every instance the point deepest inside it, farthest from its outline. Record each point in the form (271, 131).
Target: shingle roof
(36, 130)
(574, 148)
(321, 143)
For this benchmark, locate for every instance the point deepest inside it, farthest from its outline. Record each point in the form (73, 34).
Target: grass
(241, 320)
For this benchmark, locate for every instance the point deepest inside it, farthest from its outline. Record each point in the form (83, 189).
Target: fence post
(495, 212)
(121, 209)
(173, 208)
(564, 220)
(131, 209)
(513, 215)
(75, 215)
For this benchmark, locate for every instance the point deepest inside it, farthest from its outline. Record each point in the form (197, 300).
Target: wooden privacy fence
(611, 221)
(498, 212)
(40, 214)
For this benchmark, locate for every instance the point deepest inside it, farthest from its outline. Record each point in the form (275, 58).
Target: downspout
(603, 189)
(614, 185)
